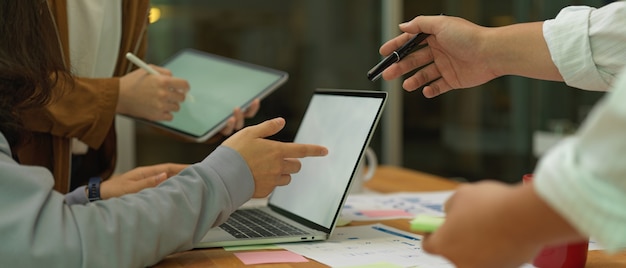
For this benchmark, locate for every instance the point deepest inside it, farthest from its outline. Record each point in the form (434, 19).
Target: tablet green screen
(217, 86)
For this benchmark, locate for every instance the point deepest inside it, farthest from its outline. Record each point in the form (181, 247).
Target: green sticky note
(342, 222)
(426, 223)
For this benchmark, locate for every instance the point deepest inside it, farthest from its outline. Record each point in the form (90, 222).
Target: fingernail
(279, 120)
(160, 178)
(402, 24)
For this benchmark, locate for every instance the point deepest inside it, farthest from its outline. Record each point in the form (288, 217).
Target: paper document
(369, 244)
(368, 207)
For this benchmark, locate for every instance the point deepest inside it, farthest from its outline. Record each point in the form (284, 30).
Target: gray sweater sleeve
(135, 230)
(77, 196)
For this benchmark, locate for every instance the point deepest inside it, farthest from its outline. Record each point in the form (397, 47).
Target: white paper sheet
(408, 205)
(369, 244)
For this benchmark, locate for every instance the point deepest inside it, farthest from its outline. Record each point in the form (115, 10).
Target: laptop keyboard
(250, 223)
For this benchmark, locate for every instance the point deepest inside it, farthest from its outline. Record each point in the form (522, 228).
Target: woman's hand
(138, 179)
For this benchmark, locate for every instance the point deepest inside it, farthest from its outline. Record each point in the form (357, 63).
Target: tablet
(217, 85)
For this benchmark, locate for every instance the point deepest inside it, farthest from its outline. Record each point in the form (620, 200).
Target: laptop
(307, 208)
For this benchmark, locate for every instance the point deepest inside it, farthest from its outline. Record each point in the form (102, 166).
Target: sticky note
(251, 247)
(275, 256)
(342, 222)
(426, 223)
(385, 213)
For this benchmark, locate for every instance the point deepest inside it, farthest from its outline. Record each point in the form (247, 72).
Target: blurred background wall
(494, 131)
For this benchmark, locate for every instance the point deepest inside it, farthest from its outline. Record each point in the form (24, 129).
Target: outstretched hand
(461, 54)
(451, 60)
(271, 162)
(138, 179)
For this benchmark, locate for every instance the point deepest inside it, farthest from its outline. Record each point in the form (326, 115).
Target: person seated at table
(39, 229)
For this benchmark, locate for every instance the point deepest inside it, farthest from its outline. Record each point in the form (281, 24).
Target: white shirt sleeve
(587, 44)
(584, 177)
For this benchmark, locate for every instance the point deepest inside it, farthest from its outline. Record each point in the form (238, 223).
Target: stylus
(377, 71)
(143, 65)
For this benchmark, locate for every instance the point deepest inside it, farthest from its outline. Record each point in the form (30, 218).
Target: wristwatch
(94, 189)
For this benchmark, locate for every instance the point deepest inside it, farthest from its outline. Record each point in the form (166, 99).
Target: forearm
(176, 214)
(491, 224)
(115, 232)
(583, 177)
(532, 221)
(521, 50)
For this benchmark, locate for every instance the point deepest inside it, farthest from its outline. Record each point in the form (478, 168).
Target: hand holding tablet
(219, 85)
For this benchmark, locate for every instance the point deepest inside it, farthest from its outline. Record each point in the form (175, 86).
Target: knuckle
(277, 170)
(163, 95)
(160, 81)
(307, 150)
(424, 77)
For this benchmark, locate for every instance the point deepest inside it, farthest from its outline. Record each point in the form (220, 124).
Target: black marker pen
(377, 71)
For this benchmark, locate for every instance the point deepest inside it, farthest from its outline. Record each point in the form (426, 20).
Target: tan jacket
(86, 111)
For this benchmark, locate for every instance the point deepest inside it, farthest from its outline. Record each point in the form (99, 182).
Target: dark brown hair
(31, 61)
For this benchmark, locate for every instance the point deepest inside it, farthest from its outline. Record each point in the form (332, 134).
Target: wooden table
(387, 179)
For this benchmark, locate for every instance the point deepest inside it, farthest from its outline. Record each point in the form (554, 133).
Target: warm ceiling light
(155, 14)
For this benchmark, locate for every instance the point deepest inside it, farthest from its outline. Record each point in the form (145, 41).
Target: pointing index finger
(298, 150)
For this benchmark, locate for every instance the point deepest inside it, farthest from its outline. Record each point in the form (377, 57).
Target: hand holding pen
(143, 65)
(395, 56)
(457, 54)
(151, 96)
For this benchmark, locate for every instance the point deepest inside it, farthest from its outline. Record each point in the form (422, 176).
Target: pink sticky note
(385, 213)
(275, 256)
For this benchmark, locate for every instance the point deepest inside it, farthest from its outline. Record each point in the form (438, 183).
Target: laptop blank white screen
(342, 123)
